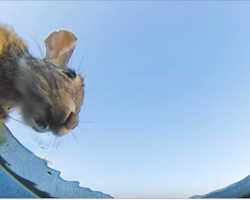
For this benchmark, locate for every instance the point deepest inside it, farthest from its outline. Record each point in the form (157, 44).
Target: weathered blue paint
(23, 175)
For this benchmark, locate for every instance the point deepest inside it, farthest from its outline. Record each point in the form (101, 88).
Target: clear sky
(167, 106)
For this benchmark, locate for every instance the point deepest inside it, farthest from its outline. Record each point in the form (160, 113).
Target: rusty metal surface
(24, 175)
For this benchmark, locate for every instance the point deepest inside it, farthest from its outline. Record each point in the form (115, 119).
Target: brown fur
(38, 87)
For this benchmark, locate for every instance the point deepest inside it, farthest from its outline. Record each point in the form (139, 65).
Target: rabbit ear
(59, 47)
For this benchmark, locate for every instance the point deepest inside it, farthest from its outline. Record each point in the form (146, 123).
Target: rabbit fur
(48, 94)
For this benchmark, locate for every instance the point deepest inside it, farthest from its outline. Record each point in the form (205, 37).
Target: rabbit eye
(71, 74)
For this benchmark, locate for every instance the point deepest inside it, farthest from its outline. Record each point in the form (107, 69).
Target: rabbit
(47, 92)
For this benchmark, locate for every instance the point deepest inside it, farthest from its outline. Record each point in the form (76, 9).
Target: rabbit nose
(58, 117)
(41, 123)
(71, 121)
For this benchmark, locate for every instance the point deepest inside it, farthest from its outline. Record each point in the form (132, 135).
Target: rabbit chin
(60, 131)
(57, 131)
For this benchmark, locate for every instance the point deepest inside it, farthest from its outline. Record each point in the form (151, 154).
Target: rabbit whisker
(73, 135)
(89, 72)
(37, 43)
(35, 40)
(84, 122)
(80, 65)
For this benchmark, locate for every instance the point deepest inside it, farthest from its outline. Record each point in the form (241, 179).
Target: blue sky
(167, 104)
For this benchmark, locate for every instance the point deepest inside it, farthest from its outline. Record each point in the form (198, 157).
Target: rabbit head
(51, 93)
